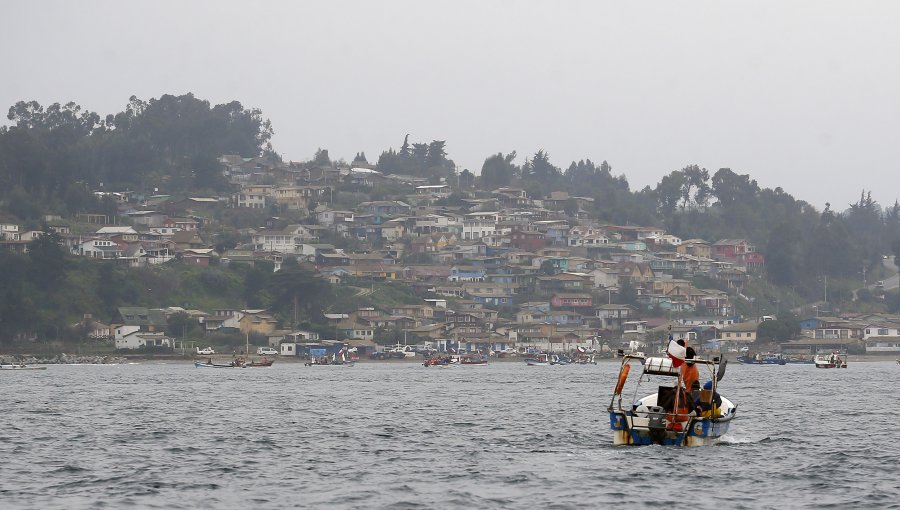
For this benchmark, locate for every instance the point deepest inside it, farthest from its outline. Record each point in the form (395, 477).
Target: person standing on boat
(689, 373)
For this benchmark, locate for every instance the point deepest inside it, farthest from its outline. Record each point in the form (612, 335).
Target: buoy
(623, 374)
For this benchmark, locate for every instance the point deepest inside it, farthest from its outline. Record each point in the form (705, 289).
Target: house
(466, 274)
(99, 248)
(138, 339)
(257, 196)
(126, 234)
(527, 240)
(135, 319)
(257, 322)
(613, 316)
(566, 300)
(883, 344)
(566, 282)
(185, 224)
(738, 333)
(479, 224)
(739, 251)
(695, 247)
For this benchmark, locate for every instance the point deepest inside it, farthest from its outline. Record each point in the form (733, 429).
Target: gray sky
(802, 95)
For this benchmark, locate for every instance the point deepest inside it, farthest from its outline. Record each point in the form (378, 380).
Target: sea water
(404, 436)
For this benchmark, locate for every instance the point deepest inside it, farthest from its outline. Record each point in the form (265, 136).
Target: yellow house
(742, 332)
(695, 247)
(258, 322)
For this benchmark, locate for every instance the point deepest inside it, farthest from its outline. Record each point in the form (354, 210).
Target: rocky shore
(63, 359)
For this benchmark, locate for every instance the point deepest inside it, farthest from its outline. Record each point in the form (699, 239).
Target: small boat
(833, 360)
(317, 357)
(585, 359)
(238, 363)
(798, 360)
(664, 417)
(441, 361)
(21, 366)
(761, 359)
(473, 360)
(541, 359)
(265, 362)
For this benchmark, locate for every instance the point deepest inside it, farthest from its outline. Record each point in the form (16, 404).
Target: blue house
(466, 274)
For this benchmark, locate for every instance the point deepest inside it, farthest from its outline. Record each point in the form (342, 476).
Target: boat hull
(696, 432)
(649, 424)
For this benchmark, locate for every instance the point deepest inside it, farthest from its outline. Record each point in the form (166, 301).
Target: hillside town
(495, 271)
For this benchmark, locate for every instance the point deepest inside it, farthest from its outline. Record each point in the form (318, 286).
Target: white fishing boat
(541, 359)
(833, 360)
(21, 366)
(670, 415)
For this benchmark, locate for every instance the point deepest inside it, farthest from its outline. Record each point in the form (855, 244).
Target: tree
(296, 290)
(782, 329)
(48, 259)
(321, 158)
(180, 325)
(548, 268)
(499, 170)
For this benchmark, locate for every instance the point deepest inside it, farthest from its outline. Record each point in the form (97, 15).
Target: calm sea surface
(400, 435)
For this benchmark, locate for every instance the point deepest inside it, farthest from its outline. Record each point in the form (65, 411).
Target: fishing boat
(761, 359)
(669, 416)
(833, 360)
(473, 360)
(21, 366)
(318, 358)
(265, 362)
(541, 359)
(441, 361)
(585, 359)
(237, 363)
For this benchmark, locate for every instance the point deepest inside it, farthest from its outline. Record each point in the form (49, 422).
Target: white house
(9, 231)
(882, 338)
(478, 225)
(138, 339)
(98, 249)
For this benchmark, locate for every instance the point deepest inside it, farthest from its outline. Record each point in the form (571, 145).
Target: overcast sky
(802, 95)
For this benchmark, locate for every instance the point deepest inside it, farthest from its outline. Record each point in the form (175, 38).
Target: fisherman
(689, 372)
(708, 407)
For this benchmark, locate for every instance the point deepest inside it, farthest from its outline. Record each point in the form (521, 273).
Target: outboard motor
(657, 424)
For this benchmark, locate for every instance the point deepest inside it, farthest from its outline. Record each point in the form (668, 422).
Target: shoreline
(8, 359)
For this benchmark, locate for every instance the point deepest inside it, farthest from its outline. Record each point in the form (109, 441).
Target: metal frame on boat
(668, 421)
